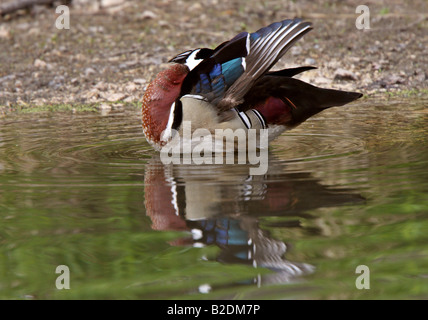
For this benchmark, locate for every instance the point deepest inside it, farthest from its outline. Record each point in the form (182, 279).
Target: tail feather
(309, 96)
(289, 101)
(309, 100)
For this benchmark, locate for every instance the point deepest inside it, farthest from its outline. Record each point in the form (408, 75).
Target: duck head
(159, 99)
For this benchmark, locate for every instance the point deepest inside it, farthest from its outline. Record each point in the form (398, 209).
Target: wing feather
(265, 51)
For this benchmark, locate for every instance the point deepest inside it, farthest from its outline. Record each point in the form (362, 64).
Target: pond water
(347, 188)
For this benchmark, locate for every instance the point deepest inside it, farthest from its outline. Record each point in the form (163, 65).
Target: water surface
(347, 188)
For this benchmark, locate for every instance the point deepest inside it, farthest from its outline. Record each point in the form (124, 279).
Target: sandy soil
(114, 47)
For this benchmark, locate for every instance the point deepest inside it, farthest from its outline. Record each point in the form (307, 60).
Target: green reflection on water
(75, 191)
(389, 238)
(109, 248)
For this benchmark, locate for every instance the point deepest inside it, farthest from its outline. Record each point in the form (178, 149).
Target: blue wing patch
(220, 78)
(232, 70)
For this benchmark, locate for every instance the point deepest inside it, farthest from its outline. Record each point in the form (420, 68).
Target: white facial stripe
(191, 62)
(248, 44)
(167, 134)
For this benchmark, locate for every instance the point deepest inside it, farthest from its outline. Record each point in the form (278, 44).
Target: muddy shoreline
(111, 52)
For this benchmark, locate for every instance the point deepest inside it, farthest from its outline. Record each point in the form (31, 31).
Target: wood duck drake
(231, 87)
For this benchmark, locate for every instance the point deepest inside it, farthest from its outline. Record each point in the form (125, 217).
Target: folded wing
(226, 76)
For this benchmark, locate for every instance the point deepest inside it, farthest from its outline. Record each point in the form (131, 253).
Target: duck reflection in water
(222, 205)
